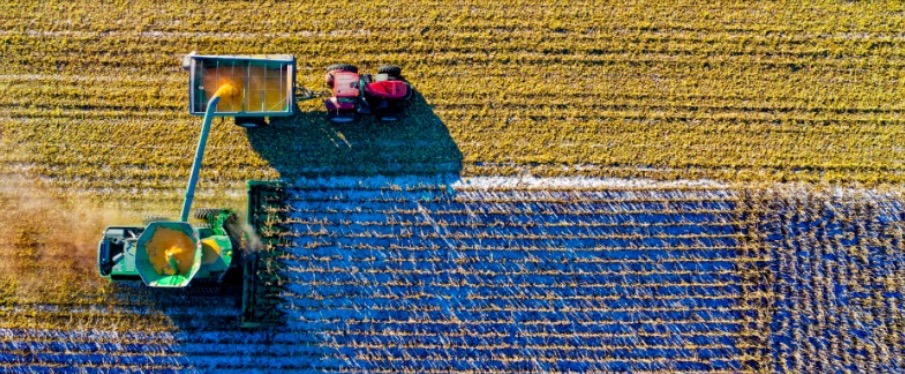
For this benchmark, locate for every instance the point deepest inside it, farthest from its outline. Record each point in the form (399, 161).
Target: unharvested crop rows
(405, 274)
(450, 295)
(838, 260)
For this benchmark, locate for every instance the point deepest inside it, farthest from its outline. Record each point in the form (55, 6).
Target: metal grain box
(265, 82)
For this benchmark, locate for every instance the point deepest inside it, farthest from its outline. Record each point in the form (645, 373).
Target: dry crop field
(655, 186)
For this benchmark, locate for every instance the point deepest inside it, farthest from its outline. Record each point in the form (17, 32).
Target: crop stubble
(732, 91)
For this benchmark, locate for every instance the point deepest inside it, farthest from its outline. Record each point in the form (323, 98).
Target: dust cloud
(48, 240)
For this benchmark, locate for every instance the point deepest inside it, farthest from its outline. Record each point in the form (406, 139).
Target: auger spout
(225, 90)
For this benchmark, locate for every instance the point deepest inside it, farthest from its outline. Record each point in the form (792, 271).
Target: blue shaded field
(510, 280)
(839, 265)
(387, 279)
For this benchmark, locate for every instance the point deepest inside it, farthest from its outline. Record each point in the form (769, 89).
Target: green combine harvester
(124, 255)
(177, 254)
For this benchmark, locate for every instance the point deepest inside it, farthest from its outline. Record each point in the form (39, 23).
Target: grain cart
(175, 254)
(384, 95)
(265, 84)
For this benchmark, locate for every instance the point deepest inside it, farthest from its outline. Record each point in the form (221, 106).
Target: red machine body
(345, 84)
(385, 95)
(390, 90)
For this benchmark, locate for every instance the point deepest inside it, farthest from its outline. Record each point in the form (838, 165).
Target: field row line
(478, 249)
(315, 268)
(465, 332)
(342, 259)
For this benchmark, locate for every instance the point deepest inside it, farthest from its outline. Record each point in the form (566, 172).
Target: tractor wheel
(341, 117)
(151, 219)
(343, 67)
(391, 70)
(250, 122)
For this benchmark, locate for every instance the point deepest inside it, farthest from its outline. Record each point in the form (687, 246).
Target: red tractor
(385, 95)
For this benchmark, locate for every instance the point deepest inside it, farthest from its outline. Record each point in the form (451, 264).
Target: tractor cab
(345, 84)
(385, 95)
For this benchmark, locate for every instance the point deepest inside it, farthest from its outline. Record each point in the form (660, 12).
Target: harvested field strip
(653, 90)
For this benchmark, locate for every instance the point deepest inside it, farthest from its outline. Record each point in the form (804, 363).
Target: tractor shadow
(315, 156)
(308, 145)
(309, 149)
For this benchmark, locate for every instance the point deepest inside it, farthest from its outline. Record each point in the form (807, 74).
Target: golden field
(722, 178)
(94, 99)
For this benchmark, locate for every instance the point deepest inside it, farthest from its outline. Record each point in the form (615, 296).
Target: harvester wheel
(205, 213)
(391, 70)
(151, 219)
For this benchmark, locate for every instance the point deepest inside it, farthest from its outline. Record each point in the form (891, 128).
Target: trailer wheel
(250, 122)
(391, 70)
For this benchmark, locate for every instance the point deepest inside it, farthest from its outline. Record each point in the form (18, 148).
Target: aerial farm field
(650, 186)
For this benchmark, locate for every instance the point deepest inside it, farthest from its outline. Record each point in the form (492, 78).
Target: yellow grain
(168, 248)
(210, 251)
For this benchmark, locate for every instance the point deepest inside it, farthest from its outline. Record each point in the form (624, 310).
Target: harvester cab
(171, 253)
(385, 95)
